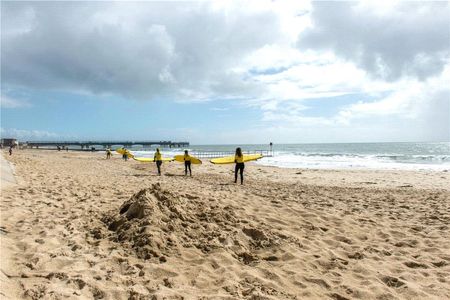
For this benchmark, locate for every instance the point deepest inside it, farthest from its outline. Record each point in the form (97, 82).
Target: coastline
(294, 232)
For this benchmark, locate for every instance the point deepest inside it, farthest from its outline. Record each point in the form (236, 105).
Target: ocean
(392, 156)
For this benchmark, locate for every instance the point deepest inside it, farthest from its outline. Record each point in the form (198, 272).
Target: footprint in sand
(392, 281)
(319, 282)
(440, 264)
(343, 239)
(356, 255)
(78, 283)
(414, 265)
(58, 275)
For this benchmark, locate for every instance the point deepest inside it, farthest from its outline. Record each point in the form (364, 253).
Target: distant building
(9, 142)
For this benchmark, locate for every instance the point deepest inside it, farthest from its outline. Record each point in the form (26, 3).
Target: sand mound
(157, 223)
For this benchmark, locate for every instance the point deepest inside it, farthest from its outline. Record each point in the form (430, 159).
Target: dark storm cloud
(138, 50)
(412, 39)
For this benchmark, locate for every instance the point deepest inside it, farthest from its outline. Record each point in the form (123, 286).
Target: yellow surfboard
(149, 159)
(230, 159)
(122, 151)
(194, 160)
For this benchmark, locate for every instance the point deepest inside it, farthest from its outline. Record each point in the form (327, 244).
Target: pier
(87, 145)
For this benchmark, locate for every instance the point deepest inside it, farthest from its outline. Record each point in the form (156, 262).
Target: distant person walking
(10, 150)
(187, 163)
(239, 160)
(158, 159)
(108, 153)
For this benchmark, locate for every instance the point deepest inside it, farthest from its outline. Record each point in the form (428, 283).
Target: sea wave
(357, 161)
(337, 159)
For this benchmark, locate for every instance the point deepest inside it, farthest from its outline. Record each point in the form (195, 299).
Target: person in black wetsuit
(158, 159)
(187, 163)
(125, 154)
(239, 160)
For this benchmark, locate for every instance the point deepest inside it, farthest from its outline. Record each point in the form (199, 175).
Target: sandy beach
(76, 225)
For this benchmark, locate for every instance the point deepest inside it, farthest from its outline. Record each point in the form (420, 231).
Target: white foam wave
(151, 153)
(387, 161)
(347, 162)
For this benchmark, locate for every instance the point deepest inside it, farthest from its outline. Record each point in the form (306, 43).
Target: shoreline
(289, 159)
(447, 169)
(285, 233)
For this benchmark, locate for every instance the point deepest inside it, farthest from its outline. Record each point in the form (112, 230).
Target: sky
(226, 72)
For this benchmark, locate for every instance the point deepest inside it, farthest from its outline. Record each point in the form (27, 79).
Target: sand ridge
(86, 227)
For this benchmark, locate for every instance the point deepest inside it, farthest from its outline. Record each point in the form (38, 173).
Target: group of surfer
(62, 148)
(186, 158)
(157, 158)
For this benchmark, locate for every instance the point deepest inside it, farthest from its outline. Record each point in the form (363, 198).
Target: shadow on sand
(143, 175)
(179, 175)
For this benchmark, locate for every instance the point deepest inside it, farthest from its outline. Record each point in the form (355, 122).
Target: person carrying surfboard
(187, 163)
(239, 160)
(158, 159)
(125, 154)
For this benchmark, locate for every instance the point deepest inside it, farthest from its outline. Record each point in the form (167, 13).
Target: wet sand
(79, 226)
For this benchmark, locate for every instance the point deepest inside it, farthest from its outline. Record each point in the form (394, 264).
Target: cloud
(389, 42)
(425, 104)
(142, 50)
(409, 110)
(319, 76)
(276, 57)
(8, 102)
(29, 135)
(414, 111)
